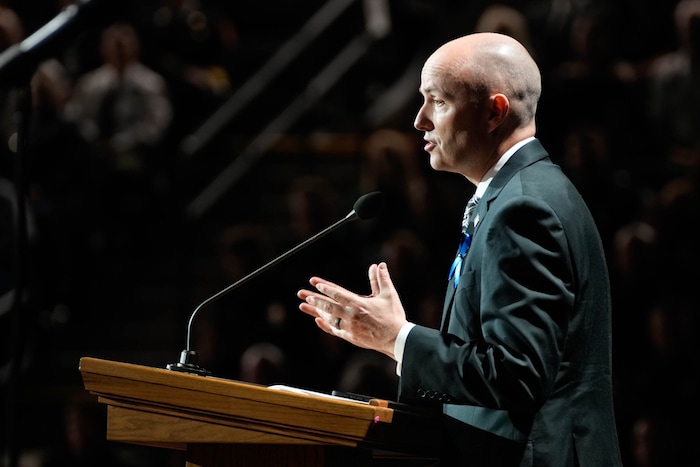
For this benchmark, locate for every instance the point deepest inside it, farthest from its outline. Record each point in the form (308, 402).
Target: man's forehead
(438, 78)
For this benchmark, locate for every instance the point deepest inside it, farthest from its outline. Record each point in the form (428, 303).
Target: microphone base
(188, 364)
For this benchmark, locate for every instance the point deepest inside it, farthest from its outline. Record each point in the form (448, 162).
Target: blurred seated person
(123, 106)
(674, 92)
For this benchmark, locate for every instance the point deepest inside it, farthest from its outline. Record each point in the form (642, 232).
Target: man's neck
(493, 170)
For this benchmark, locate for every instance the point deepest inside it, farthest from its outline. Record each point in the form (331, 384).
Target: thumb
(384, 281)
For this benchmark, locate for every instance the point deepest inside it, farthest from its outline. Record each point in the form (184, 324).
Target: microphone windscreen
(368, 206)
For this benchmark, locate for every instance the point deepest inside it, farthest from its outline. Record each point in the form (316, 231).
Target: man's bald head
(488, 63)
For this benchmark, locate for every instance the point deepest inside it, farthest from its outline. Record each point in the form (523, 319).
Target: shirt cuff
(400, 344)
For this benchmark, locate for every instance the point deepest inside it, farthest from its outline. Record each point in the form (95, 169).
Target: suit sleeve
(508, 324)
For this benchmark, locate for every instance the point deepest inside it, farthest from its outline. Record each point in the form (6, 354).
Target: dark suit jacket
(522, 364)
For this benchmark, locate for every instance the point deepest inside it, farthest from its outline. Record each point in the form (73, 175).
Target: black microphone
(366, 207)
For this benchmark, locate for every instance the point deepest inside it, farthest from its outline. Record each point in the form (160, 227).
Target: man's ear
(498, 110)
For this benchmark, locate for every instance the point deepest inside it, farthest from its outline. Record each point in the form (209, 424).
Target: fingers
(323, 320)
(315, 281)
(338, 295)
(383, 277)
(324, 325)
(373, 280)
(308, 309)
(332, 298)
(328, 305)
(315, 304)
(327, 327)
(379, 279)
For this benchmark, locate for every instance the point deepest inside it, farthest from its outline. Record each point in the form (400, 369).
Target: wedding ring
(336, 323)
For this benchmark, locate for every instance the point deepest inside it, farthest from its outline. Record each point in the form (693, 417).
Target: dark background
(115, 265)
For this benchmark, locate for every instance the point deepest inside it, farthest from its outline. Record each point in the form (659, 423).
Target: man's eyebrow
(435, 92)
(428, 90)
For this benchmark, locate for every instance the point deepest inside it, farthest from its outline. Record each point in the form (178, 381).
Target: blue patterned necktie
(465, 241)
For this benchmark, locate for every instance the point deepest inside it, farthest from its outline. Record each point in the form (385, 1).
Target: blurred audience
(227, 326)
(508, 20)
(674, 91)
(370, 374)
(264, 363)
(193, 44)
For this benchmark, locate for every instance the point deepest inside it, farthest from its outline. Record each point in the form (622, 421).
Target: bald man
(521, 365)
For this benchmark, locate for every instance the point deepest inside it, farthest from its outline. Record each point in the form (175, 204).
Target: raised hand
(367, 321)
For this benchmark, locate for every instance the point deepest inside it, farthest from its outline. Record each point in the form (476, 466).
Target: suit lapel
(527, 155)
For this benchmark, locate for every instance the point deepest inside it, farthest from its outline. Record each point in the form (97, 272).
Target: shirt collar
(486, 180)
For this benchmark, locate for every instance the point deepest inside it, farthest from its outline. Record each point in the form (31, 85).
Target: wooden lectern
(220, 422)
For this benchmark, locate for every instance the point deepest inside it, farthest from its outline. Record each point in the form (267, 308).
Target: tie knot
(471, 205)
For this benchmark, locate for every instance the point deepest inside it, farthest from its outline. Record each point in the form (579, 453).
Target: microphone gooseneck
(366, 207)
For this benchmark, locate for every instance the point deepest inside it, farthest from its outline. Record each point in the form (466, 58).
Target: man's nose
(422, 122)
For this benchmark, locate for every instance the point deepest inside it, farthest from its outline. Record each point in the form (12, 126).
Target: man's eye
(438, 102)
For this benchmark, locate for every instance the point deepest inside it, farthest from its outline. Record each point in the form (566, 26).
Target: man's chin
(436, 162)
